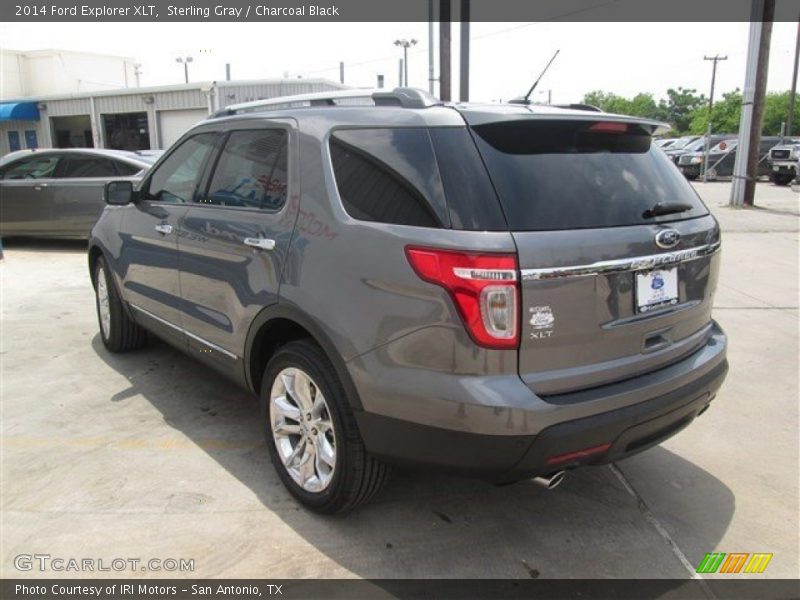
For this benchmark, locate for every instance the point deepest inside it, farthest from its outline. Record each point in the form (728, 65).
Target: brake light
(609, 127)
(483, 287)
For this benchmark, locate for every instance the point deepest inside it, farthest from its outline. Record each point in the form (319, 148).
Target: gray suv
(503, 291)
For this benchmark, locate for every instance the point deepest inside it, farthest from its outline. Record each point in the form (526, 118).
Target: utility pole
(747, 150)
(444, 50)
(707, 144)
(464, 62)
(758, 103)
(341, 72)
(227, 71)
(793, 91)
(431, 75)
(137, 72)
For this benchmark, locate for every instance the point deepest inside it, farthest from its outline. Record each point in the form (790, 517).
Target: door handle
(260, 243)
(163, 228)
(40, 187)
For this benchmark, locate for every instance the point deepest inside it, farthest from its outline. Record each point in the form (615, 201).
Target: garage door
(172, 124)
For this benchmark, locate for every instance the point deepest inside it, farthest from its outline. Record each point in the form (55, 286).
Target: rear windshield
(580, 174)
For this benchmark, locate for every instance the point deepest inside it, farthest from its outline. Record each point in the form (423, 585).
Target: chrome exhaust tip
(551, 481)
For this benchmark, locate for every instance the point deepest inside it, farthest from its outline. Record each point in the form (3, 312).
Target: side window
(175, 179)
(73, 166)
(388, 176)
(34, 167)
(126, 169)
(252, 171)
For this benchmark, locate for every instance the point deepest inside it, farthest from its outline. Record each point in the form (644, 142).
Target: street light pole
(707, 145)
(405, 45)
(185, 60)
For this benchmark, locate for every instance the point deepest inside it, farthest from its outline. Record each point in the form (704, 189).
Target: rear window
(554, 175)
(388, 176)
(426, 177)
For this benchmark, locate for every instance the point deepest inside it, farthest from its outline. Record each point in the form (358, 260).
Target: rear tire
(311, 433)
(117, 330)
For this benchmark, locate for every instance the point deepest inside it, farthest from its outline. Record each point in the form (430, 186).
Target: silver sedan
(59, 192)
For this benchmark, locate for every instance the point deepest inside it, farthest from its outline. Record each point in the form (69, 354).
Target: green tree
(641, 105)
(724, 116)
(679, 106)
(776, 111)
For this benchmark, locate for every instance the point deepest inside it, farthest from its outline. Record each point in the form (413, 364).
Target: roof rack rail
(402, 97)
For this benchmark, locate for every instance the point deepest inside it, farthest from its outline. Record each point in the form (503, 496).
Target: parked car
(423, 283)
(664, 143)
(59, 192)
(679, 145)
(698, 145)
(721, 159)
(782, 162)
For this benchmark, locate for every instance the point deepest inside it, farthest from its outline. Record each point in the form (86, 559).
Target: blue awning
(19, 111)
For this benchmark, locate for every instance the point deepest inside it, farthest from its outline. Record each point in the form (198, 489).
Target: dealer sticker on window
(656, 288)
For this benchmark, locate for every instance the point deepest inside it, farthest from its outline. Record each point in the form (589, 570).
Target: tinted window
(126, 169)
(86, 166)
(34, 167)
(175, 179)
(252, 171)
(471, 199)
(389, 176)
(576, 174)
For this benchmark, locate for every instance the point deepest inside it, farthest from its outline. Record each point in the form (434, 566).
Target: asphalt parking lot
(149, 455)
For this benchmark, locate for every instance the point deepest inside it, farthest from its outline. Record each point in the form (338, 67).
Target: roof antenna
(526, 98)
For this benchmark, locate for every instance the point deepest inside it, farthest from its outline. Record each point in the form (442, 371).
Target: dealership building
(125, 118)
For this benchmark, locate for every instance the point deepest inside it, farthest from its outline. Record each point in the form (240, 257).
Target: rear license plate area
(656, 288)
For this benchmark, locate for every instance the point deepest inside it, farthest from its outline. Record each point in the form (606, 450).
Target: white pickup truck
(783, 162)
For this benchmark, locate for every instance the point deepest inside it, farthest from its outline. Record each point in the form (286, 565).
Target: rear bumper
(627, 429)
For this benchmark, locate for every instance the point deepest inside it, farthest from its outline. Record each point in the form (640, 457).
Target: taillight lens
(483, 286)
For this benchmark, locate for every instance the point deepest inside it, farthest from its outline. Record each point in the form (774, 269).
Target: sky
(624, 58)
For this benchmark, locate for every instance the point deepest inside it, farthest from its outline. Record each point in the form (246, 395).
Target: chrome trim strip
(620, 265)
(185, 332)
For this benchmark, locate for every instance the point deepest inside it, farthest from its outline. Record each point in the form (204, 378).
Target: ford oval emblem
(667, 238)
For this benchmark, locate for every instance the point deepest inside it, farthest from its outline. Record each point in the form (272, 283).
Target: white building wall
(11, 74)
(47, 72)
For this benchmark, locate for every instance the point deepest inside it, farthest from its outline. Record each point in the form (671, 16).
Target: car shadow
(432, 525)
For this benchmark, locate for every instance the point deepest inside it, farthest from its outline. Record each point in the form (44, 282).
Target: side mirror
(118, 193)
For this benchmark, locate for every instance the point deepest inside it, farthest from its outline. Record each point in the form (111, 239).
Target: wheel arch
(95, 252)
(279, 324)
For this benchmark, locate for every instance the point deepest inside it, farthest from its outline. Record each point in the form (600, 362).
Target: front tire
(311, 433)
(117, 330)
(782, 179)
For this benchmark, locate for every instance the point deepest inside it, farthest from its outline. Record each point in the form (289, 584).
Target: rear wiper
(666, 208)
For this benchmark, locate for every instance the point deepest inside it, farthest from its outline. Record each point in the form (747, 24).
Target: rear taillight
(483, 287)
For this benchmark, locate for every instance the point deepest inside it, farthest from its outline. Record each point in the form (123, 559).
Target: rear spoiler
(475, 117)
